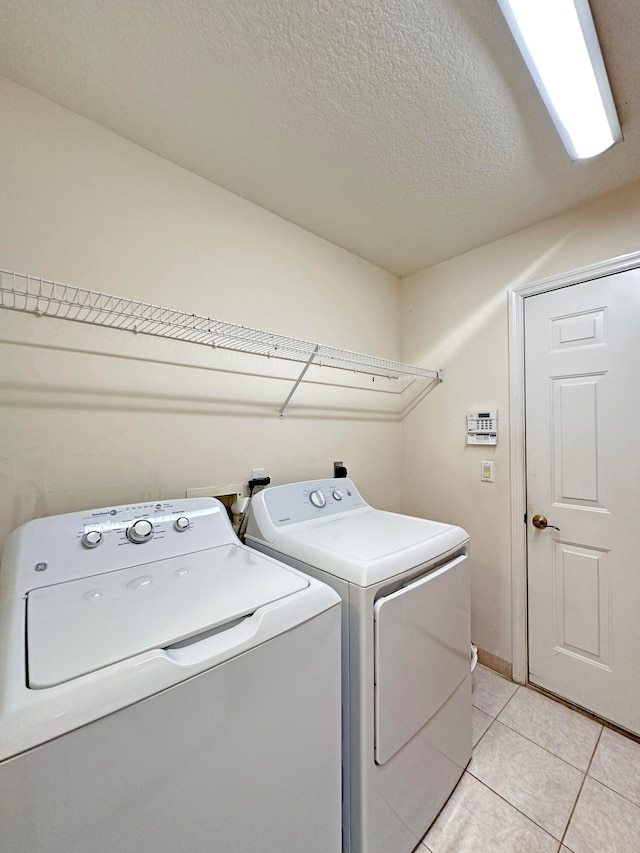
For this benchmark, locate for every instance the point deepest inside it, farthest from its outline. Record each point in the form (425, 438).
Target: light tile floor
(543, 779)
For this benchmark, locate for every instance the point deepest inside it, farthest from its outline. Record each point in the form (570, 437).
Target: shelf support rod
(299, 379)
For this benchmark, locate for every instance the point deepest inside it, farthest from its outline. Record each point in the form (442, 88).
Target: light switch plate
(486, 472)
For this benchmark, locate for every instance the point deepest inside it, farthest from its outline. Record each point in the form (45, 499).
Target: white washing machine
(164, 688)
(406, 637)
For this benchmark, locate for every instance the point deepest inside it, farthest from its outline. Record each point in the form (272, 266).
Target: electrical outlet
(257, 473)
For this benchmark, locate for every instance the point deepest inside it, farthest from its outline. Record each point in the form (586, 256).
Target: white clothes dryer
(405, 588)
(164, 688)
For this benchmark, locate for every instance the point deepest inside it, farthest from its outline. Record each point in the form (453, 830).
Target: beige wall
(454, 315)
(93, 417)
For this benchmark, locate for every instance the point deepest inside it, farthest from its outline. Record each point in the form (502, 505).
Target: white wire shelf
(43, 297)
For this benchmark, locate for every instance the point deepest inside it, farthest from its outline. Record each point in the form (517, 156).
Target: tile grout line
(497, 719)
(483, 711)
(493, 719)
(609, 788)
(479, 741)
(584, 779)
(582, 772)
(515, 692)
(555, 755)
(515, 808)
(587, 715)
(585, 773)
(583, 712)
(499, 712)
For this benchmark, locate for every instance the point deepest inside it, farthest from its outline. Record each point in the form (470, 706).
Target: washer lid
(368, 546)
(83, 625)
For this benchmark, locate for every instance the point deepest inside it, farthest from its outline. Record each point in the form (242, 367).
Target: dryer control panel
(296, 502)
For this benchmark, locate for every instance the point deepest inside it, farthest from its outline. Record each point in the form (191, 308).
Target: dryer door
(422, 641)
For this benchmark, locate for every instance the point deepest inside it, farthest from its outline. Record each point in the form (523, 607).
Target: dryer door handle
(417, 582)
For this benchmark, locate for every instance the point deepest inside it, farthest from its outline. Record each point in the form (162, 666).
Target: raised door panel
(577, 435)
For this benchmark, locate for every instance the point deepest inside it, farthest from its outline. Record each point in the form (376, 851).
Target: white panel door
(582, 351)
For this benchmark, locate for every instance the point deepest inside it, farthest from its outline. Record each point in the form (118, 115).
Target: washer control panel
(295, 502)
(139, 523)
(81, 544)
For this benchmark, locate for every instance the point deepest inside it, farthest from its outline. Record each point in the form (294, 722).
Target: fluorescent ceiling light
(558, 41)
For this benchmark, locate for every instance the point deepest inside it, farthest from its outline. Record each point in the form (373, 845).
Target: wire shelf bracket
(46, 298)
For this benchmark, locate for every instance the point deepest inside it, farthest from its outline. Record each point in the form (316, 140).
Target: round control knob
(92, 538)
(181, 524)
(140, 531)
(337, 496)
(317, 498)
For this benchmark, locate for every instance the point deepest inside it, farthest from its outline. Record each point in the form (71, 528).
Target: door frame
(516, 297)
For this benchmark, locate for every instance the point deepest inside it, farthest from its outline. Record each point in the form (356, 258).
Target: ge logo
(41, 567)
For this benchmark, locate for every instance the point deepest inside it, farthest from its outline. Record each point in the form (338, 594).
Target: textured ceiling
(407, 131)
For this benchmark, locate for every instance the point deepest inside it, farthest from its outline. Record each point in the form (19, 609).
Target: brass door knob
(541, 523)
